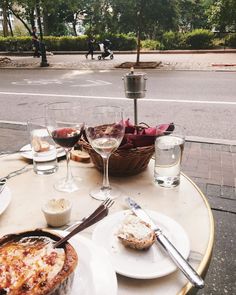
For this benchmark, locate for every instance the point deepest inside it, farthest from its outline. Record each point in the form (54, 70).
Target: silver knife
(2, 184)
(177, 258)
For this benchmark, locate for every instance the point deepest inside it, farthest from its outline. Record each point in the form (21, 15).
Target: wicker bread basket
(122, 162)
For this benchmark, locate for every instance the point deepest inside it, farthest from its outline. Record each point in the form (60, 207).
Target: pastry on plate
(135, 233)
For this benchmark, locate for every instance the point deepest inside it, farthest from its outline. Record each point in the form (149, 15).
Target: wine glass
(65, 130)
(105, 132)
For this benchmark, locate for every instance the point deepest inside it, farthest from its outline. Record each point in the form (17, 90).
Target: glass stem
(105, 183)
(69, 176)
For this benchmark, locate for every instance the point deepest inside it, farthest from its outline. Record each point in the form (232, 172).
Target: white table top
(185, 204)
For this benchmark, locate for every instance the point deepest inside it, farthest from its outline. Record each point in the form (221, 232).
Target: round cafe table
(185, 204)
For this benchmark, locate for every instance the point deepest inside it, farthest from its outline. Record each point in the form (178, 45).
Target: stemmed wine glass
(63, 126)
(105, 132)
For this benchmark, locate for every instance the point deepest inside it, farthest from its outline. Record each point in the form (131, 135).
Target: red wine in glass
(66, 130)
(66, 137)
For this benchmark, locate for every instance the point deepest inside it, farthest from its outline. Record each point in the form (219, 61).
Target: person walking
(36, 43)
(91, 43)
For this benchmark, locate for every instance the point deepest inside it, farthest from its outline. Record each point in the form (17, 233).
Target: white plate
(94, 274)
(149, 264)
(29, 155)
(5, 199)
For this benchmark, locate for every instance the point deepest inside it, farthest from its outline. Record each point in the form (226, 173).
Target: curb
(13, 125)
(23, 126)
(211, 140)
(194, 51)
(113, 69)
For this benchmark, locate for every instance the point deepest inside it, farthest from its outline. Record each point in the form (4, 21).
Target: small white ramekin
(57, 212)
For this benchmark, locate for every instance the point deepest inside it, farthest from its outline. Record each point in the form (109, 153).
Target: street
(204, 102)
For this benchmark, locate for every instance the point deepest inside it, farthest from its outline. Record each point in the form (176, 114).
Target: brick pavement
(213, 164)
(217, 61)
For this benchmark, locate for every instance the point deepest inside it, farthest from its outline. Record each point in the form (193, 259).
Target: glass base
(167, 181)
(66, 186)
(102, 193)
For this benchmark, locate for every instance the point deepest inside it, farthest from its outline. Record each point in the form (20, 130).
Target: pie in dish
(29, 264)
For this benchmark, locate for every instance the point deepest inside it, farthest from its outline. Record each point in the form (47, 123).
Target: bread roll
(80, 156)
(44, 146)
(135, 233)
(40, 145)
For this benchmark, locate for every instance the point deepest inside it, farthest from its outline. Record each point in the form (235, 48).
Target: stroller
(105, 49)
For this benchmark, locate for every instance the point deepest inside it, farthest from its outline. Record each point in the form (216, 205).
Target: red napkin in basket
(139, 136)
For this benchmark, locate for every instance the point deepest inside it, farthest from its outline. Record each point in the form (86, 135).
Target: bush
(171, 40)
(199, 39)
(119, 41)
(66, 43)
(230, 40)
(15, 44)
(150, 44)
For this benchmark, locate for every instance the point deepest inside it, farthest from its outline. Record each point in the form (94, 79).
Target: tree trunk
(138, 46)
(139, 31)
(74, 23)
(31, 16)
(4, 15)
(38, 13)
(9, 23)
(45, 24)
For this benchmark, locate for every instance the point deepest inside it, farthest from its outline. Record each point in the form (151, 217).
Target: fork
(108, 203)
(6, 153)
(96, 216)
(15, 172)
(14, 152)
(2, 184)
(4, 179)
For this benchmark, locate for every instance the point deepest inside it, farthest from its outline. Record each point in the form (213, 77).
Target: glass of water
(169, 148)
(44, 153)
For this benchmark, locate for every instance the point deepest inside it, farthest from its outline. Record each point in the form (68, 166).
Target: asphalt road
(204, 102)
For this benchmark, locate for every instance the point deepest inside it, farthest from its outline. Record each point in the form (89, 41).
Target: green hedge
(150, 44)
(15, 44)
(66, 43)
(119, 41)
(231, 40)
(199, 39)
(172, 40)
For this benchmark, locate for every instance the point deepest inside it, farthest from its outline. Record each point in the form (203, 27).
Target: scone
(135, 233)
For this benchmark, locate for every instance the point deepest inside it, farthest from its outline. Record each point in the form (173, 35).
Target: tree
(146, 19)
(222, 15)
(24, 11)
(192, 14)
(4, 7)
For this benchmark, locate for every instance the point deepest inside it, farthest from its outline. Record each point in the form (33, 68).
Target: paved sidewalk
(213, 168)
(169, 61)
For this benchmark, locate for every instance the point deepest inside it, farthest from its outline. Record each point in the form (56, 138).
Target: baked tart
(29, 264)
